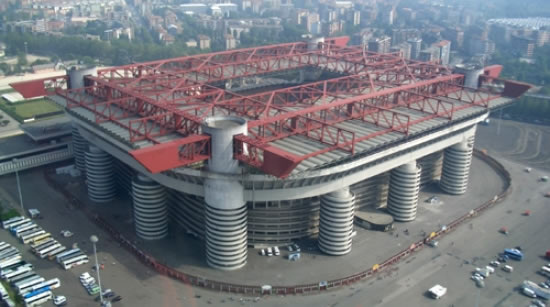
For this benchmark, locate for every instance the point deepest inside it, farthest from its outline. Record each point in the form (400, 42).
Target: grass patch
(8, 214)
(29, 108)
(9, 90)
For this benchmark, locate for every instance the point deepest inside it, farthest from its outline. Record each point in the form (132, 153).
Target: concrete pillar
(403, 195)
(100, 176)
(79, 148)
(150, 208)
(225, 212)
(336, 222)
(456, 167)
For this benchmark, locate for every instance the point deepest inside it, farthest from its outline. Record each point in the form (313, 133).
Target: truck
(437, 291)
(513, 253)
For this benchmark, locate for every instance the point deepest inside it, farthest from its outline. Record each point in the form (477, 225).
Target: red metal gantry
(174, 96)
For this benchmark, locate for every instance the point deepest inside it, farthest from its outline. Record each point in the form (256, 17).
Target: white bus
(19, 282)
(44, 252)
(4, 245)
(21, 277)
(14, 266)
(28, 238)
(22, 228)
(51, 255)
(20, 270)
(59, 257)
(41, 242)
(3, 293)
(38, 299)
(71, 256)
(26, 232)
(10, 261)
(23, 287)
(7, 223)
(50, 284)
(46, 244)
(70, 263)
(20, 222)
(41, 237)
(7, 252)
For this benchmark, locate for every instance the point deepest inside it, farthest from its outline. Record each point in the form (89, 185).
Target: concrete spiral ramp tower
(456, 168)
(403, 195)
(336, 222)
(79, 149)
(225, 210)
(150, 208)
(99, 174)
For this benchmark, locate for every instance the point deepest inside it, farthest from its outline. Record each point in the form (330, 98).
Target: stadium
(262, 146)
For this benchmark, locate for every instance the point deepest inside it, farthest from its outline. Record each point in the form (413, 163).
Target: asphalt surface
(405, 284)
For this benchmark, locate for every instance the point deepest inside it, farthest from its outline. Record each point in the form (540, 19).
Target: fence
(254, 290)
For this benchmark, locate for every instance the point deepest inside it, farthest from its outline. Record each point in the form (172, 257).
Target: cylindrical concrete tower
(226, 212)
(79, 148)
(403, 195)
(336, 222)
(150, 208)
(99, 173)
(76, 76)
(456, 168)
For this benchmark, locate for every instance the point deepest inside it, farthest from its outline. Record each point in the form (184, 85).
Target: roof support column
(403, 195)
(226, 211)
(150, 208)
(100, 175)
(456, 165)
(336, 222)
(79, 148)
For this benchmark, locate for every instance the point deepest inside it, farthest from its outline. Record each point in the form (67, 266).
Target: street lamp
(14, 161)
(94, 239)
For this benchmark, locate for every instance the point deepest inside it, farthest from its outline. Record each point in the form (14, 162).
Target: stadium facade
(262, 146)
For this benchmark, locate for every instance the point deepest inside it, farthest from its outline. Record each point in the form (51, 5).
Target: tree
(21, 59)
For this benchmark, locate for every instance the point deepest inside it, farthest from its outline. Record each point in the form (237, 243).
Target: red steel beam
(177, 153)
(40, 87)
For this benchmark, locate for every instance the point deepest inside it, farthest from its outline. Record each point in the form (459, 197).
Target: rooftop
(361, 101)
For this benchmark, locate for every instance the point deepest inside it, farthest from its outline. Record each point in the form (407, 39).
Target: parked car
(276, 251)
(495, 263)
(290, 248)
(296, 247)
(59, 300)
(262, 252)
(66, 233)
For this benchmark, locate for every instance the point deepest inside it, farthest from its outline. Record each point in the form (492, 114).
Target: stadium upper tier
(308, 105)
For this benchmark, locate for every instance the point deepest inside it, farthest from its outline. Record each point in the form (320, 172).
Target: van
(508, 268)
(528, 292)
(269, 252)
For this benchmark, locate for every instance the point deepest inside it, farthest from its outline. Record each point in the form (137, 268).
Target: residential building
(523, 45)
(230, 42)
(204, 42)
(443, 48)
(416, 47)
(379, 44)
